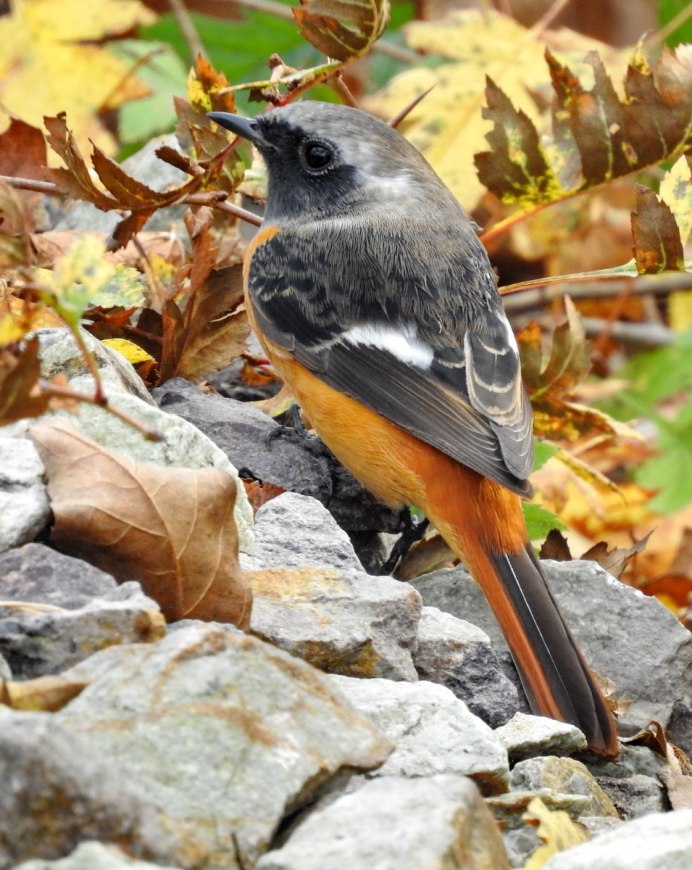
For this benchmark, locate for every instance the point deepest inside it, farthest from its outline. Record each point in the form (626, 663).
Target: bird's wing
(461, 393)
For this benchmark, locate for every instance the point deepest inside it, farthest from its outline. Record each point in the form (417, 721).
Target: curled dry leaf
(557, 831)
(342, 29)
(44, 694)
(170, 528)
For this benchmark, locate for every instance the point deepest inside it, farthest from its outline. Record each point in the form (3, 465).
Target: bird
(377, 304)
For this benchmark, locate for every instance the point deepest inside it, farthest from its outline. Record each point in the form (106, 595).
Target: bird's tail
(555, 676)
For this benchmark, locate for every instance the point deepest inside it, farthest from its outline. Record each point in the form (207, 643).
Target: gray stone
(24, 505)
(287, 457)
(657, 842)
(37, 642)
(525, 736)
(224, 734)
(293, 530)
(628, 637)
(433, 731)
(680, 726)
(40, 574)
(458, 655)
(341, 621)
(181, 444)
(58, 790)
(93, 856)
(635, 795)
(5, 671)
(397, 824)
(564, 775)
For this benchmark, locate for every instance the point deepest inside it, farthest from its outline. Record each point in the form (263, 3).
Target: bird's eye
(317, 156)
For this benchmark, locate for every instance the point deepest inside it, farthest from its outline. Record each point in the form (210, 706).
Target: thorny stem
(54, 391)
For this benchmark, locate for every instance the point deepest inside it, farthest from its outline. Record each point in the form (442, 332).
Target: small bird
(376, 302)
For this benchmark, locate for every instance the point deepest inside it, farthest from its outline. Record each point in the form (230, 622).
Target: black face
(307, 171)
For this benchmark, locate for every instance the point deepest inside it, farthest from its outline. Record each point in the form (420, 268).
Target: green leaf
(671, 470)
(543, 450)
(164, 73)
(539, 521)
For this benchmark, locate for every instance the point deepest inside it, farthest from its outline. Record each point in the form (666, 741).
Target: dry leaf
(657, 243)
(20, 368)
(556, 829)
(342, 29)
(677, 775)
(170, 528)
(43, 694)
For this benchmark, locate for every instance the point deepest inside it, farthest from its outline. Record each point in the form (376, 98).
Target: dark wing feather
(469, 402)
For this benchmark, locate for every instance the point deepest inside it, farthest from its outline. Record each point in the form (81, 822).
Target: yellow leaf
(448, 126)
(676, 192)
(46, 66)
(556, 829)
(132, 352)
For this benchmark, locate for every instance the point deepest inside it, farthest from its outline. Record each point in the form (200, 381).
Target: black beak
(245, 127)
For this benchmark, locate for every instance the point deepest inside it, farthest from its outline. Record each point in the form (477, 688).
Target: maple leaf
(125, 517)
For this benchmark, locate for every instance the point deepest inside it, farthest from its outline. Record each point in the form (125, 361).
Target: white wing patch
(401, 342)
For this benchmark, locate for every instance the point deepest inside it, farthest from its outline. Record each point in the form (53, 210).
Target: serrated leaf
(540, 521)
(676, 192)
(610, 136)
(657, 244)
(342, 29)
(516, 168)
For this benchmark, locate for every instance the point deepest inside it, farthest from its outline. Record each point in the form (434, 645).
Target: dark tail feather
(563, 688)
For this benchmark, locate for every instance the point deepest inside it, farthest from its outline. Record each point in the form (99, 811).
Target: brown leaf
(259, 492)
(23, 151)
(597, 136)
(20, 370)
(614, 561)
(657, 243)
(171, 528)
(218, 327)
(555, 547)
(515, 168)
(342, 29)
(76, 179)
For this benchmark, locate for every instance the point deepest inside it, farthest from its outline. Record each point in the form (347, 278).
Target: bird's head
(325, 160)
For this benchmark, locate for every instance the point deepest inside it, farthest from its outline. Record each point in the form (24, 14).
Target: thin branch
(647, 334)
(56, 392)
(530, 295)
(187, 28)
(32, 184)
(402, 113)
(677, 21)
(550, 15)
(343, 91)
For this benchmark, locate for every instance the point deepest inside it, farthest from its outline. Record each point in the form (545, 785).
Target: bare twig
(648, 334)
(54, 391)
(676, 21)
(187, 28)
(529, 295)
(550, 15)
(402, 113)
(343, 91)
(32, 184)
